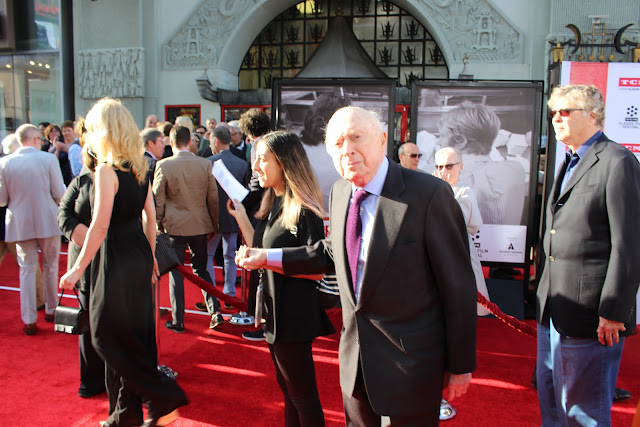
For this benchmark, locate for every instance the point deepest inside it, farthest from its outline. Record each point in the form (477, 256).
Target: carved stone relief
(111, 72)
(474, 28)
(199, 40)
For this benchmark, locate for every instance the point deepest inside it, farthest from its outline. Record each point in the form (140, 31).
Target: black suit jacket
(416, 315)
(293, 310)
(592, 243)
(240, 171)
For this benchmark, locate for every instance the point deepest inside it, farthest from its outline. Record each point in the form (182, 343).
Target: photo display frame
(496, 128)
(304, 106)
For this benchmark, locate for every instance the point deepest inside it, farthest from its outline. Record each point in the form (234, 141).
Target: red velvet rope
(211, 289)
(509, 320)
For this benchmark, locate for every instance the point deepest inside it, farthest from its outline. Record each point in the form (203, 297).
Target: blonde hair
(10, 144)
(186, 122)
(301, 186)
(115, 138)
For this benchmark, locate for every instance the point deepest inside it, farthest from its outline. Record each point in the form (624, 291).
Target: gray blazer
(416, 314)
(31, 186)
(240, 171)
(592, 243)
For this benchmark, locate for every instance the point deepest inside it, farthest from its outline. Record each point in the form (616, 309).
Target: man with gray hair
(31, 220)
(587, 292)
(227, 227)
(409, 155)
(239, 147)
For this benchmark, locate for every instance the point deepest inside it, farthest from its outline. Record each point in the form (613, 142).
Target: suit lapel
(590, 158)
(339, 206)
(387, 222)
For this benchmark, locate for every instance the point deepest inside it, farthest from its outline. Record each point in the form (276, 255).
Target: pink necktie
(353, 235)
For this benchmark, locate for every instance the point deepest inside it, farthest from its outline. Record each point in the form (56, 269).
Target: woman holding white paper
(290, 215)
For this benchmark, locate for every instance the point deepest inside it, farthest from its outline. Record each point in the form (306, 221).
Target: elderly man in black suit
(587, 291)
(400, 251)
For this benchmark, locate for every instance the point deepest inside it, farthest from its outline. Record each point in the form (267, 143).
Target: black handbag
(165, 254)
(71, 320)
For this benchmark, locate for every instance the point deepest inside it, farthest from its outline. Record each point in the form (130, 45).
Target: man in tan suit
(187, 208)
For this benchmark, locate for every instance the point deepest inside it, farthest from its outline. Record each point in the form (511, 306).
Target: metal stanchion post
(156, 296)
(242, 318)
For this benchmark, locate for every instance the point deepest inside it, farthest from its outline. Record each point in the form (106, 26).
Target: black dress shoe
(176, 327)
(40, 307)
(621, 394)
(201, 306)
(85, 394)
(163, 311)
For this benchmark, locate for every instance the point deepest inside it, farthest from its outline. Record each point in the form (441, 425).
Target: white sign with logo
(622, 122)
(503, 243)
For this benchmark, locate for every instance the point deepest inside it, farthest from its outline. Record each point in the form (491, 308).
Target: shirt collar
(375, 185)
(151, 154)
(582, 150)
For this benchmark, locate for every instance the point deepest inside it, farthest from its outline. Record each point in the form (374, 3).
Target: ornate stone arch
(219, 32)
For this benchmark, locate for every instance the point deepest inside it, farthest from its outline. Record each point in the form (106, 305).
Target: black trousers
(91, 365)
(296, 377)
(358, 411)
(198, 248)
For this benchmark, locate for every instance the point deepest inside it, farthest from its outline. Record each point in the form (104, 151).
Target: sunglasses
(414, 155)
(564, 112)
(447, 167)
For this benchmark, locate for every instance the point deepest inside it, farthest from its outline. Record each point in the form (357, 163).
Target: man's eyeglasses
(564, 112)
(447, 167)
(414, 155)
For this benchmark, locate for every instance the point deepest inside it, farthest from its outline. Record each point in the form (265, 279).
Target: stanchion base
(168, 371)
(241, 319)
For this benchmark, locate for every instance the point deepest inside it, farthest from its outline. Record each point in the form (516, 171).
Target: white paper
(228, 182)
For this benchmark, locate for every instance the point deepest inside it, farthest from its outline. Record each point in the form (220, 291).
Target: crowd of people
(407, 295)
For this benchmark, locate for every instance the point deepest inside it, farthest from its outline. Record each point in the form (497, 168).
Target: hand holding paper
(228, 182)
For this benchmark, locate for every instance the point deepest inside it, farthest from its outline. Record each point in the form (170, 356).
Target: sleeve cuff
(274, 258)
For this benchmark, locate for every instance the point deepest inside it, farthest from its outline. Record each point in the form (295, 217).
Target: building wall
(178, 42)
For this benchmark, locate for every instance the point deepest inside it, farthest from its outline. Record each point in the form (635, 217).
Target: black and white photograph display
(494, 125)
(305, 107)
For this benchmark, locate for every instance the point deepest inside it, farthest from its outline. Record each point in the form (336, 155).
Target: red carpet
(231, 382)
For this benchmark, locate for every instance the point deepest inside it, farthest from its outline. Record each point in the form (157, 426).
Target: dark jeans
(296, 376)
(198, 248)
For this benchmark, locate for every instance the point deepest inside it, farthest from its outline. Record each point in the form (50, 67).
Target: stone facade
(111, 72)
(198, 41)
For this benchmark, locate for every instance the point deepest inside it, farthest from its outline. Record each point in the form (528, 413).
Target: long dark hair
(301, 186)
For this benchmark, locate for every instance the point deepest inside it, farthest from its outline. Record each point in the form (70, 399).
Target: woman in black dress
(290, 215)
(74, 217)
(121, 307)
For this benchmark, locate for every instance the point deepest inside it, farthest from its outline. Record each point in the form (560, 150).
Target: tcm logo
(629, 82)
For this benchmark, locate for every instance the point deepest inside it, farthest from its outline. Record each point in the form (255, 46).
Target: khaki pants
(10, 247)
(27, 255)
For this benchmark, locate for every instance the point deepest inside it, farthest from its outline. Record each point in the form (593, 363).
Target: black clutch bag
(165, 255)
(71, 320)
